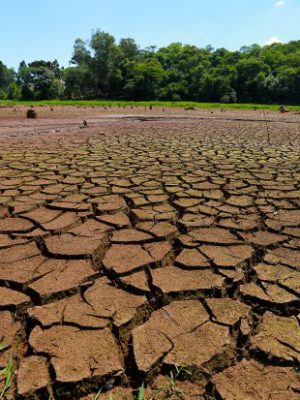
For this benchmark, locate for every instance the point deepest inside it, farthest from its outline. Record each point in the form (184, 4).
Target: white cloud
(272, 40)
(280, 3)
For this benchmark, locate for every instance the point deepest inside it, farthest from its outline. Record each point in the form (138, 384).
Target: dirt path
(140, 244)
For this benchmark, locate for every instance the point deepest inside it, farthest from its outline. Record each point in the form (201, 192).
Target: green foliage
(103, 68)
(7, 82)
(44, 79)
(183, 72)
(7, 372)
(39, 80)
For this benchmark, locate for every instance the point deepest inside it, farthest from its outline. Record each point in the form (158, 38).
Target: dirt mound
(31, 114)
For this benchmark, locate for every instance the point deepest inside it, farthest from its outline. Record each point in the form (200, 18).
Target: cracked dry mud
(135, 246)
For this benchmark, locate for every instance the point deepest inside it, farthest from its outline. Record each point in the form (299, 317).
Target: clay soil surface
(147, 241)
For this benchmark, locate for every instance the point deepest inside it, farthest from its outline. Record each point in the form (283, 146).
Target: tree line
(106, 69)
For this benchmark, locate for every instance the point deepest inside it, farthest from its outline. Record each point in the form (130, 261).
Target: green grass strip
(117, 103)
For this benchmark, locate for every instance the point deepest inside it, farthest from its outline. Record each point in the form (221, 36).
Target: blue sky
(46, 29)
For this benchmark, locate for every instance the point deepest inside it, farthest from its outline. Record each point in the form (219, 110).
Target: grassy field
(116, 103)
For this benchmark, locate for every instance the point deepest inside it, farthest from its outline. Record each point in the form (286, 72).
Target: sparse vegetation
(7, 374)
(170, 391)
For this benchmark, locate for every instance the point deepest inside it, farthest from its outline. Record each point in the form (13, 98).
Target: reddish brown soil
(147, 241)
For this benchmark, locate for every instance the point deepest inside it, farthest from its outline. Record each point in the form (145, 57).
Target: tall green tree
(8, 86)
